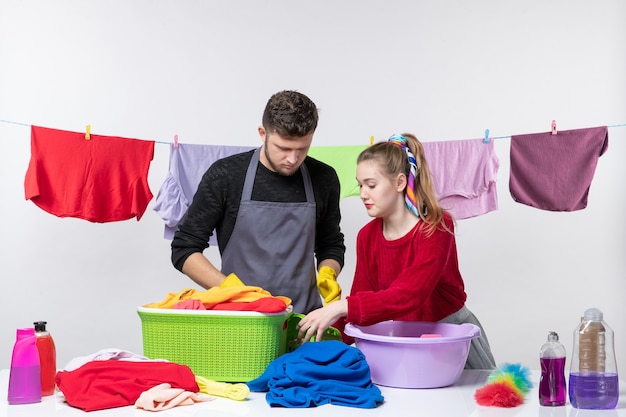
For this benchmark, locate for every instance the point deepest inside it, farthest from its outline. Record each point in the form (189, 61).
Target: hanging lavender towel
(188, 163)
(554, 172)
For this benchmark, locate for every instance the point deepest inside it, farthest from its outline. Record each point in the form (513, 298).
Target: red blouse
(415, 277)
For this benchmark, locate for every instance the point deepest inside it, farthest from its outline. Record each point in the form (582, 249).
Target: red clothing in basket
(412, 278)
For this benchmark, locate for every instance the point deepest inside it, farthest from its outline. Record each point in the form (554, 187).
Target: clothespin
(88, 132)
(554, 127)
(175, 141)
(371, 140)
(486, 140)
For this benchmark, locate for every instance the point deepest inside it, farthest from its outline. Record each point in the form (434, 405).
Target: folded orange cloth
(217, 295)
(163, 397)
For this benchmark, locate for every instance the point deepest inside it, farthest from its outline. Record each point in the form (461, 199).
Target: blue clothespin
(486, 140)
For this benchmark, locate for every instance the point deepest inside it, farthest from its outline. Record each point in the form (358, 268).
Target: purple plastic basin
(399, 357)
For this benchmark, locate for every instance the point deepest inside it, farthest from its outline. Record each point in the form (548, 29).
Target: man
(275, 211)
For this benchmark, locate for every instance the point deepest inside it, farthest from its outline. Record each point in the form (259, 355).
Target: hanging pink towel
(554, 172)
(464, 174)
(103, 179)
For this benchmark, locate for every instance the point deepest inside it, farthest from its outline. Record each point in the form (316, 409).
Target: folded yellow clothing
(232, 280)
(217, 295)
(237, 392)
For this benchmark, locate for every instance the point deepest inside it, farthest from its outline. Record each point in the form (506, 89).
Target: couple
(276, 214)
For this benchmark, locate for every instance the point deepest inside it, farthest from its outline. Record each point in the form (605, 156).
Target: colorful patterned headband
(411, 202)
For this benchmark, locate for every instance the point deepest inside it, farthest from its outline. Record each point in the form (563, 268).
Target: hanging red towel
(103, 179)
(554, 172)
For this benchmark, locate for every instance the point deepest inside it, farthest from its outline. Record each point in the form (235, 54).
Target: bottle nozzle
(40, 326)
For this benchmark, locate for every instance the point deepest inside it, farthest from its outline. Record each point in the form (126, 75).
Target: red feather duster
(506, 386)
(498, 394)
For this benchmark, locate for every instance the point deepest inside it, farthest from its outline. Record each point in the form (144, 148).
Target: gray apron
(272, 244)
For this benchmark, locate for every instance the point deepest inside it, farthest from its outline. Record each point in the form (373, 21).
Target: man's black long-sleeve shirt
(216, 203)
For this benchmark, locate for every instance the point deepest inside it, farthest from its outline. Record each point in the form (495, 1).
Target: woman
(407, 264)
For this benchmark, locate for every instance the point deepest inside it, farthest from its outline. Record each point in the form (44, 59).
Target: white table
(454, 401)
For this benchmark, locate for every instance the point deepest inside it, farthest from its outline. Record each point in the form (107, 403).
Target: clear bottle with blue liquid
(593, 378)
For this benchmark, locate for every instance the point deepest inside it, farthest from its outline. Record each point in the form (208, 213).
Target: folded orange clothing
(217, 295)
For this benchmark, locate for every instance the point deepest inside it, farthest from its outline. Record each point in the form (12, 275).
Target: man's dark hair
(290, 114)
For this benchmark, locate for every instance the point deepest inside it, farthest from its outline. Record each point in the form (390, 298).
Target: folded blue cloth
(317, 373)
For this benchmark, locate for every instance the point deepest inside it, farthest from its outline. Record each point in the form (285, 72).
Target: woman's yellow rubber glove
(222, 389)
(328, 285)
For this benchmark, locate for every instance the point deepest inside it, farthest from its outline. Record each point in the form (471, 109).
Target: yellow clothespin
(88, 132)
(371, 140)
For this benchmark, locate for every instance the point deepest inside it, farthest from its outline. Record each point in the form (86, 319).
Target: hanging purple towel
(554, 172)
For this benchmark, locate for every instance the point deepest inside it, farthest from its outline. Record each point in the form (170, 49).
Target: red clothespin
(554, 127)
(175, 141)
(88, 132)
(486, 140)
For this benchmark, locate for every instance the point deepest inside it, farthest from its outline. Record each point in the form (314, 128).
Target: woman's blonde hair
(394, 160)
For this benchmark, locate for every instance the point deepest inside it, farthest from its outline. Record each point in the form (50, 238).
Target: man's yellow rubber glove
(231, 280)
(328, 285)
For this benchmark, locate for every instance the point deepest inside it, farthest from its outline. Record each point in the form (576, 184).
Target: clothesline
(487, 137)
(524, 163)
(509, 136)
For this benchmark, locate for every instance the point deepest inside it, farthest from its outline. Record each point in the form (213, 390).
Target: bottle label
(592, 353)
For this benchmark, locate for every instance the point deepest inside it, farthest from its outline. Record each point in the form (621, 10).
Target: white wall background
(203, 69)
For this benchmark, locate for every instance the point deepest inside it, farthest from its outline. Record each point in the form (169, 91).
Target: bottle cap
(40, 326)
(553, 336)
(25, 332)
(593, 314)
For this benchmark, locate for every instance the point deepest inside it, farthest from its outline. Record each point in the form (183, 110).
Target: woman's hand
(317, 321)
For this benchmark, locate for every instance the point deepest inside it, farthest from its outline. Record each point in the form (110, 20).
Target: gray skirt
(480, 356)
